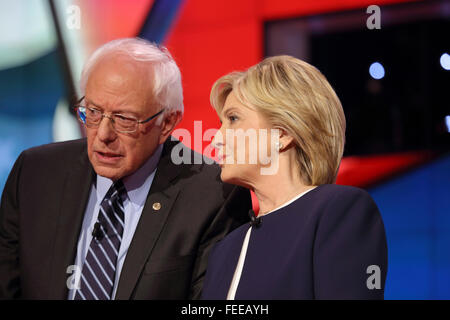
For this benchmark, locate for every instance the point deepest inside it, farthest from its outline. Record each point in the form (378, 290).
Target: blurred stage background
(394, 84)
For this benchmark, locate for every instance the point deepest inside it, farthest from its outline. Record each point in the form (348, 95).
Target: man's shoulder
(190, 160)
(57, 155)
(57, 148)
(194, 169)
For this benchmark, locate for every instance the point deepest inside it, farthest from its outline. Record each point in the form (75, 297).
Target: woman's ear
(285, 140)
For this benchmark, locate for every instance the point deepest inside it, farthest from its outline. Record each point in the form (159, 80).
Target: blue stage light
(376, 70)
(445, 61)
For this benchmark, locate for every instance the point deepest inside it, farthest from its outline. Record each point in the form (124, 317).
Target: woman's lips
(221, 160)
(108, 157)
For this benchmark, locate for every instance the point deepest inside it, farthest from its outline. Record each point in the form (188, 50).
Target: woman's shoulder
(345, 202)
(324, 200)
(335, 193)
(331, 200)
(342, 190)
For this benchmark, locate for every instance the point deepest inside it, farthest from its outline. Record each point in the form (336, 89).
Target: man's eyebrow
(88, 101)
(124, 112)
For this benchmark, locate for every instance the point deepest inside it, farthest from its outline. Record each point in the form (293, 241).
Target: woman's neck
(273, 191)
(273, 197)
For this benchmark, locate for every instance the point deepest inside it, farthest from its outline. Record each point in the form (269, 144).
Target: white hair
(166, 76)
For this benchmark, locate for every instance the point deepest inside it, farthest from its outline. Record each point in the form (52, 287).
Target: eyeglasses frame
(77, 106)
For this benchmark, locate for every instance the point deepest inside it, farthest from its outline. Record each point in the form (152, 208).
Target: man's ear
(168, 124)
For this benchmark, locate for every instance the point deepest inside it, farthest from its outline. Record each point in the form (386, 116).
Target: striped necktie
(99, 269)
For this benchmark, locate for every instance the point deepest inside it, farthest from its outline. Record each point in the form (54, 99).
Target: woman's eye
(232, 118)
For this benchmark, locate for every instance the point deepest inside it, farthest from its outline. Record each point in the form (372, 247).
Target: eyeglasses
(91, 118)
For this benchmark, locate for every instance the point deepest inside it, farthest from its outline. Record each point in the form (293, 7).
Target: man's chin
(108, 172)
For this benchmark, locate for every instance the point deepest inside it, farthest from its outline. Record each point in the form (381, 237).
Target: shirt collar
(134, 183)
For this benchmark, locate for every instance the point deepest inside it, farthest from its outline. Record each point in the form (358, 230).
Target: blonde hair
(296, 97)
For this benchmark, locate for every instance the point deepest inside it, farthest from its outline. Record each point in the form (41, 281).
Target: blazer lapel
(77, 185)
(157, 208)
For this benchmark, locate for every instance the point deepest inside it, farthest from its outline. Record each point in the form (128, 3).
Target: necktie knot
(116, 191)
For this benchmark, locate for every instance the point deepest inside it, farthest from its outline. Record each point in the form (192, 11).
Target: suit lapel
(77, 185)
(163, 194)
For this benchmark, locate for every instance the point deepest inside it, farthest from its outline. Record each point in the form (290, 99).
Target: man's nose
(105, 131)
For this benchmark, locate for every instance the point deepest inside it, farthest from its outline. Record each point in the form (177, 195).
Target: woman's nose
(218, 141)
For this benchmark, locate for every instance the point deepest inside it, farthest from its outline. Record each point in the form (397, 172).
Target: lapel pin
(156, 206)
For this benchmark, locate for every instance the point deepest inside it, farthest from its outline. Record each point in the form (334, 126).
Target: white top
(237, 273)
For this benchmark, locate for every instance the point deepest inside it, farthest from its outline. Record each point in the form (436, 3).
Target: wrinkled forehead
(121, 67)
(120, 80)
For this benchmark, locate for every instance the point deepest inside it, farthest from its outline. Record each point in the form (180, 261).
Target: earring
(279, 146)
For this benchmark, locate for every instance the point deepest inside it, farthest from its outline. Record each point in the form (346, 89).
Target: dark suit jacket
(318, 247)
(42, 211)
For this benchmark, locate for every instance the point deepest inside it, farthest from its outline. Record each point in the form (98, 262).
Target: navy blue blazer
(318, 247)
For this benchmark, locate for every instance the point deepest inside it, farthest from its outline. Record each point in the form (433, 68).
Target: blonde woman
(312, 239)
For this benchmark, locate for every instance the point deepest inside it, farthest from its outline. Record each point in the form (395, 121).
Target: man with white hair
(111, 216)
